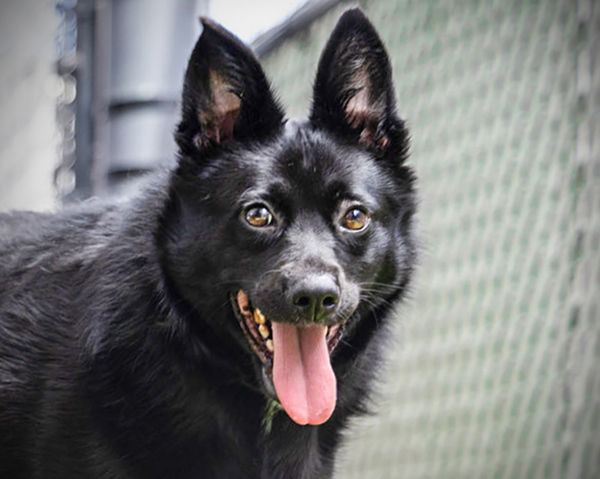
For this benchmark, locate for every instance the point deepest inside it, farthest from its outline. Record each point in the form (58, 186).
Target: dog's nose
(315, 296)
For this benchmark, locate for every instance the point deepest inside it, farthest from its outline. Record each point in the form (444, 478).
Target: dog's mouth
(296, 361)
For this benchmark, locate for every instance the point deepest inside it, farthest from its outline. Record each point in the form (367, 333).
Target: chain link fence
(496, 372)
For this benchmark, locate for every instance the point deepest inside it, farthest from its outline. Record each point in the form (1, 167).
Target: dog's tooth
(264, 331)
(259, 318)
(269, 343)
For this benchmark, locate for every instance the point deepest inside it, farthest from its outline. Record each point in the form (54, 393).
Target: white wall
(28, 92)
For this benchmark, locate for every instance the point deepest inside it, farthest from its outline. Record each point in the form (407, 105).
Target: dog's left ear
(353, 92)
(226, 95)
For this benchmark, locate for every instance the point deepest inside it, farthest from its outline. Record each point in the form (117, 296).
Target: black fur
(120, 353)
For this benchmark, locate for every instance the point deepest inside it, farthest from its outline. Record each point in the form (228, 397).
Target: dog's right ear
(353, 91)
(226, 95)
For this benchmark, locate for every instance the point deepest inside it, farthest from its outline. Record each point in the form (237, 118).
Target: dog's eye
(355, 219)
(258, 216)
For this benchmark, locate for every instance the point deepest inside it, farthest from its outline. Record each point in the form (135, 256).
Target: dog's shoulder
(28, 238)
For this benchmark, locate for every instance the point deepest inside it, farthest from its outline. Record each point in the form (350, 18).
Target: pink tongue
(304, 380)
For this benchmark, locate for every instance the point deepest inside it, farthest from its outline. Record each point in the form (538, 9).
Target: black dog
(228, 321)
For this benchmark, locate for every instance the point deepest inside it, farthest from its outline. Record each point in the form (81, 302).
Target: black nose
(315, 297)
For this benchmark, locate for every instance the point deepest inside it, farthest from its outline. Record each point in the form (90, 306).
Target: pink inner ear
(363, 113)
(221, 129)
(358, 109)
(219, 119)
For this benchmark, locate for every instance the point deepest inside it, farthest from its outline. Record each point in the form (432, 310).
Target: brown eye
(355, 219)
(258, 216)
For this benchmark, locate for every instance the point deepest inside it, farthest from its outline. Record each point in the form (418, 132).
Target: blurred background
(496, 370)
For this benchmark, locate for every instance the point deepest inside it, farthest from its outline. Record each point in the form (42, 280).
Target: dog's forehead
(305, 161)
(306, 151)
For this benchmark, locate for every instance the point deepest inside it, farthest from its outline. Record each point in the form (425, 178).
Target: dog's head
(299, 230)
